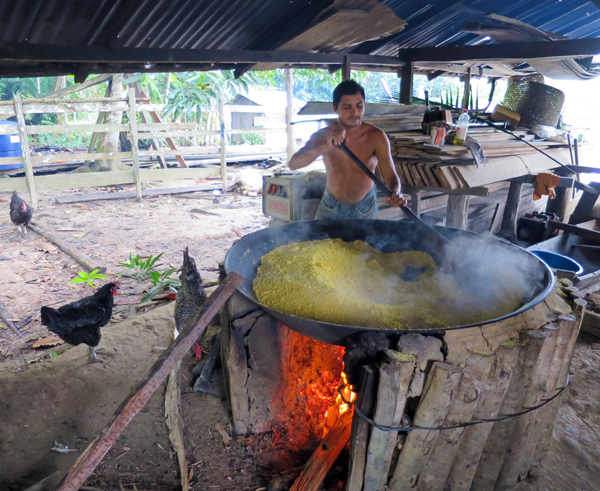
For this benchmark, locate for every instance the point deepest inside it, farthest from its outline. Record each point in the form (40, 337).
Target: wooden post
(499, 437)
(511, 210)
(134, 143)
(346, 69)
(360, 429)
(406, 83)
(394, 379)
(467, 89)
(93, 454)
(431, 412)
(456, 211)
(223, 159)
(289, 113)
(547, 418)
(473, 442)
(25, 150)
(519, 454)
(559, 204)
(415, 203)
(460, 411)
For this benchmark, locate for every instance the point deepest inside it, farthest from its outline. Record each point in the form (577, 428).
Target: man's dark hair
(347, 87)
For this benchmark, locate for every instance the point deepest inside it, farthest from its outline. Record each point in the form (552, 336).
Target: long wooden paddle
(434, 239)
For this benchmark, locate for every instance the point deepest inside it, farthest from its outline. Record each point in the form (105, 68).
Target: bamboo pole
(86, 261)
(289, 89)
(499, 437)
(473, 442)
(460, 411)
(223, 157)
(518, 453)
(26, 154)
(547, 418)
(134, 143)
(93, 454)
(395, 375)
(317, 467)
(360, 429)
(431, 412)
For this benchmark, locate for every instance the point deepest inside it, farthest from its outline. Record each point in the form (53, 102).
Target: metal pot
(386, 236)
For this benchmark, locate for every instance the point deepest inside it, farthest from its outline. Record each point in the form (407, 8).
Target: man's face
(350, 110)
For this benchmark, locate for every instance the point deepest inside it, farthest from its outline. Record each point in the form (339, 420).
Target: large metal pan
(387, 236)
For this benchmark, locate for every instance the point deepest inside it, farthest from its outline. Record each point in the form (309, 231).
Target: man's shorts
(332, 208)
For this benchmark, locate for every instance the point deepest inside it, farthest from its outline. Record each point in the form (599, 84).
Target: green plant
(88, 277)
(142, 265)
(161, 280)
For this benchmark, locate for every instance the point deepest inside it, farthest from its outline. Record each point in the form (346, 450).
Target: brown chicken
(20, 212)
(191, 295)
(80, 321)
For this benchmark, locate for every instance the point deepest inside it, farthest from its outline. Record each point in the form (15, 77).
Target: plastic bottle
(461, 128)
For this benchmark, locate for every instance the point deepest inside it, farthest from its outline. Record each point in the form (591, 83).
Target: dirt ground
(51, 395)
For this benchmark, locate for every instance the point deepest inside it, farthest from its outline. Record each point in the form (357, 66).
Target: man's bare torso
(345, 180)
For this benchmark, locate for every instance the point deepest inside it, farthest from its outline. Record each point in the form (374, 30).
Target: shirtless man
(350, 193)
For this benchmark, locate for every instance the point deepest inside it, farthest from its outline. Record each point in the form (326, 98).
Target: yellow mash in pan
(354, 284)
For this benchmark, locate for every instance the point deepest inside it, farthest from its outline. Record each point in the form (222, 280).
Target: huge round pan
(387, 236)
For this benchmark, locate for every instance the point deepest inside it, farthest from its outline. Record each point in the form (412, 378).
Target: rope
(406, 429)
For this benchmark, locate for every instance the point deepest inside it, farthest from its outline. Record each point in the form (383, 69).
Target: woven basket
(536, 103)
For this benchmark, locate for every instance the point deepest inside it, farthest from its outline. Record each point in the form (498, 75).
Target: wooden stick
(395, 375)
(93, 454)
(460, 411)
(571, 324)
(6, 319)
(26, 154)
(175, 423)
(360, 429)
(134, 143)
(499, 437)
(431, 412)
(518, 453)
(223, 156)
(325, 455)
(88, 263)
(473, 442)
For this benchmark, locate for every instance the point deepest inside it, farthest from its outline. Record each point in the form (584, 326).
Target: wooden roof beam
(24, 52)
(506, 52)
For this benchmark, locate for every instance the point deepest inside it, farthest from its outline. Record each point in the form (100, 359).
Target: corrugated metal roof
(255, 25)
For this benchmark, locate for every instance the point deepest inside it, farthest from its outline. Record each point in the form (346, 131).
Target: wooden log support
(431, 412)
(406, 83)
(325, 455)
(175, 423)
(499, 437)
(547, 418)
(456, 211)
(134, 144)
(346, 69)
(360, 429)
(465, 104)
(460, 411)
(395, 375)
(87, 262)
(511, 210)
(566, 324)
(237, 366)
(26, 154)
(519, 455)
(93, 454)
(469, 453)
(289, 112)
(223, 157)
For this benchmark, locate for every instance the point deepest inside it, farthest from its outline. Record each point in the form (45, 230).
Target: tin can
(438, 135)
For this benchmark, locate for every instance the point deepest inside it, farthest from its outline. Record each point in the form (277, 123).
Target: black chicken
(80, 322)
(20, 212)
(191, 295)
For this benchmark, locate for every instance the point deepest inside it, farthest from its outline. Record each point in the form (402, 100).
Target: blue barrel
(10, 146)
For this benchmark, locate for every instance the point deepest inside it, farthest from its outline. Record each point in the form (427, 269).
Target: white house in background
(270, 113)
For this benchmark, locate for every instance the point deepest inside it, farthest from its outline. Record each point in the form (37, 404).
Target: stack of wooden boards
(388, 117)
(423, 165)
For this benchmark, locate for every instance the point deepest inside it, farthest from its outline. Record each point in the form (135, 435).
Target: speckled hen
(191, 295)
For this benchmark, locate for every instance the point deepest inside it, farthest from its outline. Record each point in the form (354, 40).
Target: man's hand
(336, 136)
(396, 199)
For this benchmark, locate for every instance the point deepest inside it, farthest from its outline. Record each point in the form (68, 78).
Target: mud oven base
(283, 389)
